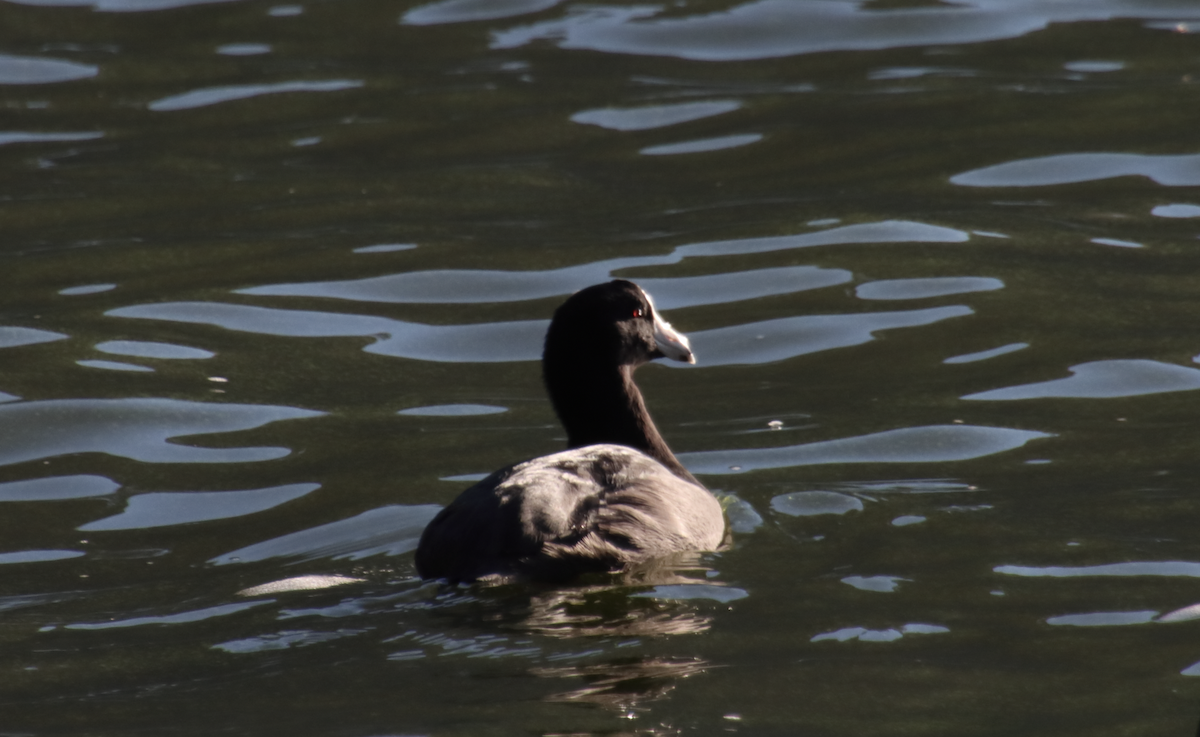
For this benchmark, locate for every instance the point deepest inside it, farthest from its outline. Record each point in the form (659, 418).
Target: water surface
(275, 280)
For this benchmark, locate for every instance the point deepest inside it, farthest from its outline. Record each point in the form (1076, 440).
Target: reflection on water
(688, 591)
(53, 488)
(246, 49)
(461, 287)
(299, 583)
(807, 503)
(1181, 170)
(936, 444)
(1176, 211)
(889, 231)
(37, 70)
(704, 144)
(144, 349)
(878, 584)
(925, 288)
(198, 615)
(867, 635)
(87, 289)
(11, 337)
(760, 342)
(39, 556)
(453, 410)
(384, 531)
(859, 243)
(113, 365)
(7, 137)
(467, 286)
(622, 685)
(1155, 568)
(161, 509)
(1103, 619)
(773, 28)
(654, 116)
(462, 11)
(788, 337)
(604, 611)
(386, 248)
(1116, 242)
(1105, 379)
(509, 341)
(215, 95)
(1094, 67)
(990, 353)
(139, 429)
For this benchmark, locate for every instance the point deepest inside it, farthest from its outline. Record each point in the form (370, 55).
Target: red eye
(638, 313)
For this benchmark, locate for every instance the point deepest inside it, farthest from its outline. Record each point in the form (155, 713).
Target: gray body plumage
(596, 508)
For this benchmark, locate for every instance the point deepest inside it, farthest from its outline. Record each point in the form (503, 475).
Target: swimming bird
(617, 497)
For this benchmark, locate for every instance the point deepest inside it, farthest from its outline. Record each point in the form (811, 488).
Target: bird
(617, 497)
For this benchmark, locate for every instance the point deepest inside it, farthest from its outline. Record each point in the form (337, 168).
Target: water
(274, 284)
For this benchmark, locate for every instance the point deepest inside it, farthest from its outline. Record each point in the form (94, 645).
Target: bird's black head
(612, 324)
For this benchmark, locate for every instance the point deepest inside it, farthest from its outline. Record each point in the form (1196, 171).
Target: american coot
(617, 497)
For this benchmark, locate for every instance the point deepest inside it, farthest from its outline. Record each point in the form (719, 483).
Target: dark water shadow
(664, 599)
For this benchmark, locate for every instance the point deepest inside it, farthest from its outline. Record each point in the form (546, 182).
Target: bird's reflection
(600, 611)
(618, 606)
(623, 684)
(614, 605)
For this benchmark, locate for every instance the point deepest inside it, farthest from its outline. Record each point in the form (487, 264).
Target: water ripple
(1104, 619)
(812, 503)
(243, 49)
(1137, 568)
(930, 444)
(1178, 210)
(138, 429)
(197, 615)
(214, 95)
(282, 640)
(39, 556)
(37, 70)
(11, 337)
(890, 289)
(451, 286)
(162, 509)
(462, 11)
(1169, 170)
(888, 635)
(761, 342)
(119, 6)
(1105, 380)
(654, 116)
(453, 410)
(887, 231)
(788, 337)
(483, 343)
(7, 137)
(879, 584)
(113, 365)
(702, 145)
(777, 28)
(990, 353)
(86, 289)
(480, 286)
(56, 488)
(688, 592)
(389, 530)
(144, 349)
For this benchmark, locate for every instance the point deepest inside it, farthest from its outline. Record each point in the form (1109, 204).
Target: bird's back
(597, 508)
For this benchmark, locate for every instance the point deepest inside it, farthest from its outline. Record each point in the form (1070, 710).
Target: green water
(831, 199)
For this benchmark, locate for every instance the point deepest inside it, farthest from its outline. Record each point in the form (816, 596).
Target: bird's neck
(610, 409)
